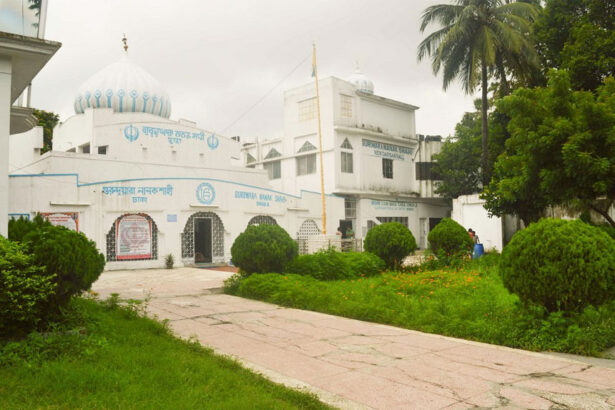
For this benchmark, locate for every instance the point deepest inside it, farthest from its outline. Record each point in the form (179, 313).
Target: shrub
(19, 228)
(561, 265)
(169, 261)
(363, 263)
(392, 242)
(70, 256)
(24, 289)
(449, 238)
(263, 248)
(333, 265)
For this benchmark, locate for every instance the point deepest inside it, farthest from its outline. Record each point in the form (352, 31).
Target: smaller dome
(125, 87)
(361, 81)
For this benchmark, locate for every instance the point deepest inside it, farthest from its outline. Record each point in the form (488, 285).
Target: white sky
(216, 58)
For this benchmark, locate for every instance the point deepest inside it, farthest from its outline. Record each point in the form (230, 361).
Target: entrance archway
(203, 238)
(262, 220)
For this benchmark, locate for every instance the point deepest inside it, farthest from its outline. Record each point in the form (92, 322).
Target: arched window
(132, 237)
(262, 220)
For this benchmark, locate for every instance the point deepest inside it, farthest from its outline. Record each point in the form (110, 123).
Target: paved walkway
(354, 364)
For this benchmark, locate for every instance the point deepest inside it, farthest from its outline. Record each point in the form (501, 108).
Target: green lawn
(123, 361)
(469, 303)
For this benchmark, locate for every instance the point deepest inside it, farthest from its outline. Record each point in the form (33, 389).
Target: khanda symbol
(213, 141)
(131, 133)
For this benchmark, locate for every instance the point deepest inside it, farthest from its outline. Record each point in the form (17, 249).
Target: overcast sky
(217, 58)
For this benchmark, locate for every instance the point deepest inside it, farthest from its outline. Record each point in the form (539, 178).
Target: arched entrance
(203, 238)
(132, 237)
(262, 220)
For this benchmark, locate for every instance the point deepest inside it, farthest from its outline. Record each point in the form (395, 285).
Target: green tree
(459, 161)
(47, 120)
(561, 151)
(578, 35)
(475, 38)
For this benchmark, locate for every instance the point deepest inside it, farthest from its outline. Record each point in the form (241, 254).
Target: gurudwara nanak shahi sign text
(384, 150)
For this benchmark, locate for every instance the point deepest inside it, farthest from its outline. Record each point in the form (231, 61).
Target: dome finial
(125, 41)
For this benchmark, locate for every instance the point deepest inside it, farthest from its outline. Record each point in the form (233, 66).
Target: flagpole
(322, 174)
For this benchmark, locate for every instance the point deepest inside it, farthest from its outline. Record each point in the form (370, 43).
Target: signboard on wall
(384, 150)
(133, 238)
(68, 220)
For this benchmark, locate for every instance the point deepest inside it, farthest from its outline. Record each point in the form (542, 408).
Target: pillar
(5, 126)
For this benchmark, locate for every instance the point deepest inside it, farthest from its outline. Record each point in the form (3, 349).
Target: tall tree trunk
(605, 214)
(485, 157)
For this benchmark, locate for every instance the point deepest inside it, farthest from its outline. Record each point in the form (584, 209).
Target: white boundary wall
(469, 212)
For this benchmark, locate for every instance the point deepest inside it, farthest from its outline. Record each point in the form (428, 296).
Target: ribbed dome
(361, 81)
(125, 87)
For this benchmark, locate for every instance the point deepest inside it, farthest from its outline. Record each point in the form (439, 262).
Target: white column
(5, 125)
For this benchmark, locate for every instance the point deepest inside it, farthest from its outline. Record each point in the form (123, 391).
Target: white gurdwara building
(143, 186)
(372, 156)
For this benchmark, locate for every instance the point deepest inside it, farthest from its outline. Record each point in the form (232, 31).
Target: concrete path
(354, 364)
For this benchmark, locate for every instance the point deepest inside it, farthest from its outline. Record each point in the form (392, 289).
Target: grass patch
(469, 303)
(121, 360)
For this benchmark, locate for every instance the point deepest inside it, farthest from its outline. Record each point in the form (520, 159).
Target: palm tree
(490, 37)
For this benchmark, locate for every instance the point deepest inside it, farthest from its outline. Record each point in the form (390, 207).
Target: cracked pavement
(354, 364)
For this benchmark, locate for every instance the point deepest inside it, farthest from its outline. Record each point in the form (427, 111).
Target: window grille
(387, 168)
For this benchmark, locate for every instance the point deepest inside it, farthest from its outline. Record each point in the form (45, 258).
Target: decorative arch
(262, 220)
(217, 234)
(135, 229)
(308, 228)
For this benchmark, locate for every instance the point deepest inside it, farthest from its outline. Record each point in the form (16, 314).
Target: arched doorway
(203, 238)
(132, 237)
(262, 220)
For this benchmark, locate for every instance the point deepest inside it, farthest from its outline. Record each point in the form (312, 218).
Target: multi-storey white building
(372, 155)
(142, 185)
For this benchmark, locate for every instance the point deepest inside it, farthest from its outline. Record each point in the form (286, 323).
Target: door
(202, 240)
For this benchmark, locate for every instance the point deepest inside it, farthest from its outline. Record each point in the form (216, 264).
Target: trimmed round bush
(19, 228)
(450, 238)
(263, 248)
(333, 265)
(390, 241)
(69, 256)
(561, 265)
(24, 290)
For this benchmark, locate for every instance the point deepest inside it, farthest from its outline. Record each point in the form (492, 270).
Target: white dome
(361, 81)
(125, 87)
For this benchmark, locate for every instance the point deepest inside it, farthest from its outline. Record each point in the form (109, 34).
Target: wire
(266, 94)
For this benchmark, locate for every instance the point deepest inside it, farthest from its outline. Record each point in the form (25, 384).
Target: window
(102, 150)
(307, 146)
(250, 159)
(426, 171)
(85, 148)
(273, 153)
(306, 164)
(347, 162)
(350, 208)
(274, 169)
(346, 106)
(401, 219)
(307, 109)
(72, 150)
(387, 168)
(346, 144)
